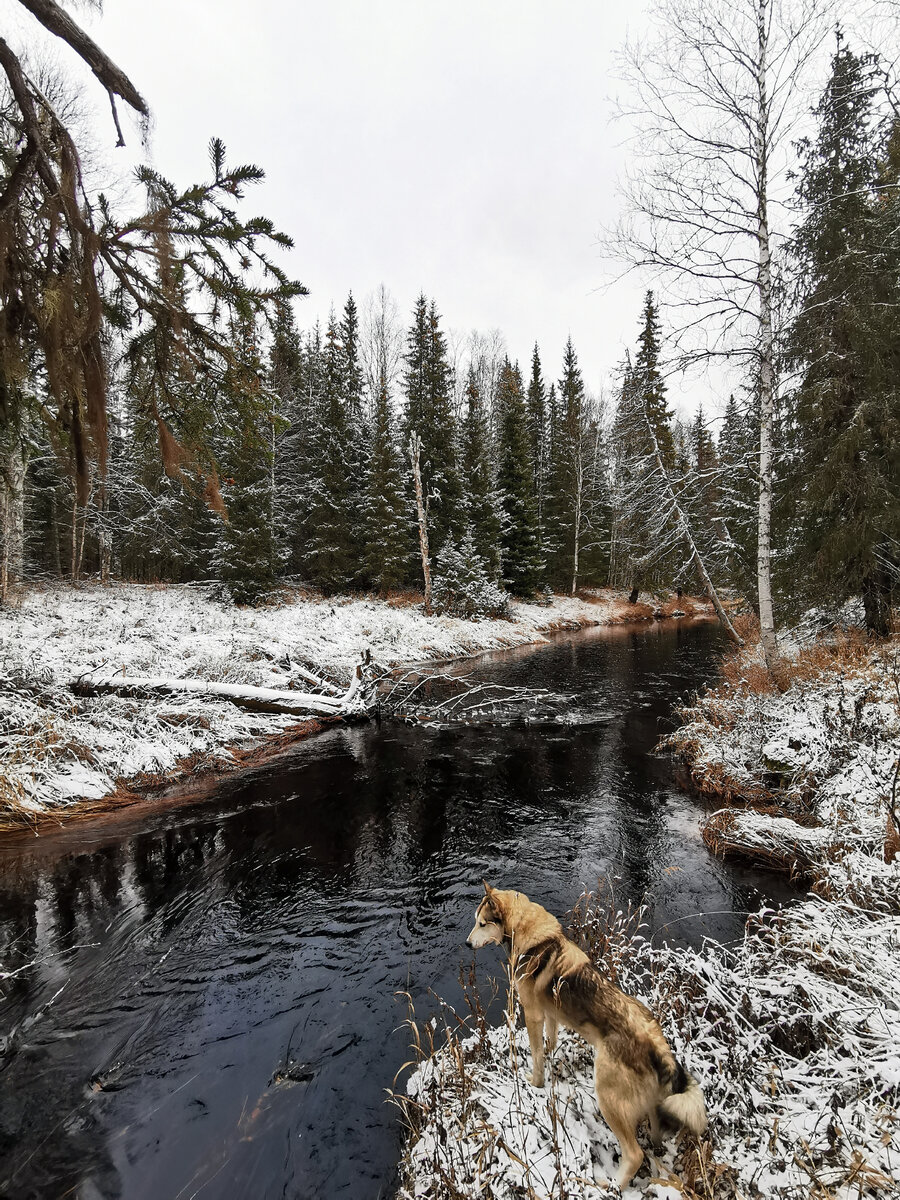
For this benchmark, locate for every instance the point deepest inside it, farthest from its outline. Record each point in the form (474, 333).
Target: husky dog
(636, 1075)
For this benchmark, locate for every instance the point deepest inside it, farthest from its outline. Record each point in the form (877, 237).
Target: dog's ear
(492, 905)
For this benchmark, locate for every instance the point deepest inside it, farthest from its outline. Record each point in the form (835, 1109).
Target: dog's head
(489, 927)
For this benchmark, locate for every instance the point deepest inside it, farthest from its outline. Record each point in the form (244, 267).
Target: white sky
(464, 149)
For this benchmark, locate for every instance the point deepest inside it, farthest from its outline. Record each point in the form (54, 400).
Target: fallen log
(356, 701)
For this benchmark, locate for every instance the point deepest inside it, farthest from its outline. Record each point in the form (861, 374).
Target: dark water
(185, 955)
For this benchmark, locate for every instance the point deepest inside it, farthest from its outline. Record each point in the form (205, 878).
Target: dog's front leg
(534, 1023)
(551, 1025)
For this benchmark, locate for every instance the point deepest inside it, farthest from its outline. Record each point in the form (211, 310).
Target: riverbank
(793, 1032)
(60, 753)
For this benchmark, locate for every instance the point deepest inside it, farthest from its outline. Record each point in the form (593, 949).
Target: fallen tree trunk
(356, 701)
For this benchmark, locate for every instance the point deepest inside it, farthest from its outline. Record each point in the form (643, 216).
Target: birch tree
(717, 96)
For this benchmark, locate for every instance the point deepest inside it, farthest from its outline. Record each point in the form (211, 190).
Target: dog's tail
(686, 1104)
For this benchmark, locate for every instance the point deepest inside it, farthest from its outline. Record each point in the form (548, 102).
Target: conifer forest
(486, 503)
(167, 416)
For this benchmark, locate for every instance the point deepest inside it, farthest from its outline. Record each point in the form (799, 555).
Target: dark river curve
(184, 955)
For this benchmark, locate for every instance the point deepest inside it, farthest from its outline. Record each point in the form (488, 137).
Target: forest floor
(793, 1032)
(62, 754)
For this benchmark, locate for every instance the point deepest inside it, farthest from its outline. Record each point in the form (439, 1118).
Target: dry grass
(405, 598)
(744, 669)
(623, 612)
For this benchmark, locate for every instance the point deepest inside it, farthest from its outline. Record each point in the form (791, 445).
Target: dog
(636, 1075)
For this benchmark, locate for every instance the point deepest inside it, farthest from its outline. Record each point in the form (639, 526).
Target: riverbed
(212, 1009)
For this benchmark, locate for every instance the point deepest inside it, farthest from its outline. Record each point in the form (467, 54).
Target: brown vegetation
(192, 778)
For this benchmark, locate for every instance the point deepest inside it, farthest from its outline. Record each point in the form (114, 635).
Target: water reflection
(184, 958)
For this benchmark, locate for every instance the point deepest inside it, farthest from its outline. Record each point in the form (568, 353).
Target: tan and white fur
(636, 1075)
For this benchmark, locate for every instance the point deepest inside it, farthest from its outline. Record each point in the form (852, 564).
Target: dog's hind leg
(655, 1131)
(631, 1154)
(618, 1114)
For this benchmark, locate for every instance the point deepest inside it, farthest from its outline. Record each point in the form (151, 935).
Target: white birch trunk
(415, 451)
(766, 351)
(579, 497)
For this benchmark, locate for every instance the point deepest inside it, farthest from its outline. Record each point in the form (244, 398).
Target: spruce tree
(847, 341)
(577, 510)
(648, 548)
(301, 462)
(538, 433)
(482, 503)
(245, 551)
(354, 416)
(429, 413)
(701, 503)
(388, 548)
(463, 587)
(285, 383)
(519, 543)
(650, 382)
(739, 495)
(330, 551)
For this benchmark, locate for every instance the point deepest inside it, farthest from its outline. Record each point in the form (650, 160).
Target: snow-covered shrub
(462, 586)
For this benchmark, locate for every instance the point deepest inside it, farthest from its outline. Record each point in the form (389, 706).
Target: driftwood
(356, 701)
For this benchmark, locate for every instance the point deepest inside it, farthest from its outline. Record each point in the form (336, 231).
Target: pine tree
(354, 416)
(482, 503)
(648, 547)
(738, 495)
(649, 380)
(330, 551)
(538, 432)
(245, 551)
(577, 511)
(429, 413)
(519, 543)
(702, 505)
(847, 339)
(285, 379)
(386, 522)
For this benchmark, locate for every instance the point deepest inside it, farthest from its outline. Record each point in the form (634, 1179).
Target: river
(185, 955)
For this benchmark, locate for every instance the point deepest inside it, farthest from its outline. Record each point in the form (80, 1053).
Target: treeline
(317, 484)
(238, 448)
(528, 484)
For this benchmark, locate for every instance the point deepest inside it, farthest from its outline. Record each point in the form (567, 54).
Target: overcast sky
(464, 149)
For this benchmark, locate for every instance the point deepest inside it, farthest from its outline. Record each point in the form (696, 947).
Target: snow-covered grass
(57, 749)
(794, 1033)
(817, 755)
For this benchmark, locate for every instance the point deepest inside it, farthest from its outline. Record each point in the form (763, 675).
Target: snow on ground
(793, 1033)
(56, 749)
